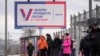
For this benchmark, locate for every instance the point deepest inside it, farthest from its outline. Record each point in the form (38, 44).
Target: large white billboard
(40, 14)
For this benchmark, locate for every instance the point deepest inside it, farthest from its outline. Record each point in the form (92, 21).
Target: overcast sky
(73, 7)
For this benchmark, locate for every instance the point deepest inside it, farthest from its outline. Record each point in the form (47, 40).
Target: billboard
(40, 14)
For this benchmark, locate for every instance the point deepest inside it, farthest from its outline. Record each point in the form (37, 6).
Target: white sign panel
(40, 14)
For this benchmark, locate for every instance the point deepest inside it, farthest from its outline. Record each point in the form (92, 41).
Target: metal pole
(8, 40)
(90, 9)
(30, 32)
(28, 0)
(40, 31)
(5, 27)
(53, 0)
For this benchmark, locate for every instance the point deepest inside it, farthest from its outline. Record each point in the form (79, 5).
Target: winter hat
(30, 41)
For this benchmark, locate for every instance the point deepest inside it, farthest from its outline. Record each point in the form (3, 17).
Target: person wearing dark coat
(56, 45)
(94, 46)
(85, 45)
(61, 49)
(97, 41)
(50, 45)
(95, 31)
(30, 48)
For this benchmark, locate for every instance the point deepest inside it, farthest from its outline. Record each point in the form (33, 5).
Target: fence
(79, 24)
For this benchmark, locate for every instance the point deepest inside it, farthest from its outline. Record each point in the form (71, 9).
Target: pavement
(14, 55)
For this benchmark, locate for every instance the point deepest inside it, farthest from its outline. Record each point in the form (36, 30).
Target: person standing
(30, 48)
(56, 45)
(42, 45)
(61, 49)
(85, 45)
(50, 44)
(95, 30)
(66, 45)
(73, 47)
